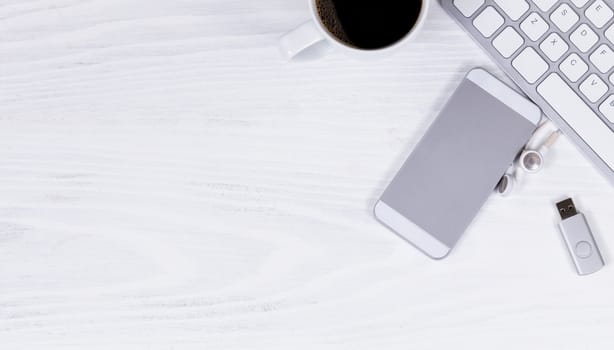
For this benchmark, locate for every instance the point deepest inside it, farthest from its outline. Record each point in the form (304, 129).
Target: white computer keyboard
(560, 54)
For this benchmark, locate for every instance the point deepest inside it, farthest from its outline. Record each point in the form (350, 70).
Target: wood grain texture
(167, 181)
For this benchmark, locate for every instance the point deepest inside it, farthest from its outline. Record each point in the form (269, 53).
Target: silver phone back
(457, 164)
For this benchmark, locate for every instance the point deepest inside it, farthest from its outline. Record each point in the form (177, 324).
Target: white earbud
(506, 184)
(531, 160)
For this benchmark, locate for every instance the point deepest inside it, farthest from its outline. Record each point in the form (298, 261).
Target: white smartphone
(457, 164)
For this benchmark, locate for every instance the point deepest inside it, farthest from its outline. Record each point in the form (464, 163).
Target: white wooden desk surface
(167, 181)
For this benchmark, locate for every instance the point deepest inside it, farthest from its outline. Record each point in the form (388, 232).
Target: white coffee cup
(313, 33)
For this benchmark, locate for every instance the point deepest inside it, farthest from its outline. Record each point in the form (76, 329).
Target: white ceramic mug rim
(341, 45)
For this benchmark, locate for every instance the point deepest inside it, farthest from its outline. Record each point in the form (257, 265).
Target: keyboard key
(513, 8)
(554, 47)
(599, 13)
(579, 3)
(468, 7)
(508, 42)
(610, 34)
(578, 116)
(584, 38)
(607, 108)
(544, 5)
(530, 65)
(534, 26)
(574, 67)
(603, 58)
(488, 21)
(593, 88)
(612, 78)
(564, 17)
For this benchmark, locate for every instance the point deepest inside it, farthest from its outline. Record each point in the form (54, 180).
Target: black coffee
(369, 24)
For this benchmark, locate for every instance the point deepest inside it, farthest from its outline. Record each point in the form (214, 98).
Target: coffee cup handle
(300, 39)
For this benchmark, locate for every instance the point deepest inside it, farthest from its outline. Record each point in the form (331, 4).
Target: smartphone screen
(457, 164)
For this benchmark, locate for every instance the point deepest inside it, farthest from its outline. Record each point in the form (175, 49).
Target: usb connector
(566, 208)
(579, 238)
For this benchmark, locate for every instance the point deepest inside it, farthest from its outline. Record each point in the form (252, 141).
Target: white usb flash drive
(579, 239)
